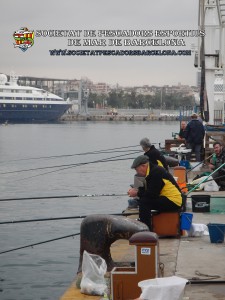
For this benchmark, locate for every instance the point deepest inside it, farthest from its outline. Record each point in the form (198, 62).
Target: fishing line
(63, 197)
(68, 155)
(77, 154)
(66, 165)
(58, 218)
(55, 239)
(80, 164)
(44, 242)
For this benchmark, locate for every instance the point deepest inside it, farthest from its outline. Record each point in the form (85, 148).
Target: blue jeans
(196, 148)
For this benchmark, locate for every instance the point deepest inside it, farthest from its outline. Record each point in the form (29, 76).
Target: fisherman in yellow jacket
(160, 191)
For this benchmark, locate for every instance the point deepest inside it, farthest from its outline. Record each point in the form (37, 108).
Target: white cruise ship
(28, 104)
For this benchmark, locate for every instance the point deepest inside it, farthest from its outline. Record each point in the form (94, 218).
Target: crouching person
(160, 191)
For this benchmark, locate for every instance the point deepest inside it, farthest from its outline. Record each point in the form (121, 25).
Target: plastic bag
(93, 270)
(211, 186)
(198, 230)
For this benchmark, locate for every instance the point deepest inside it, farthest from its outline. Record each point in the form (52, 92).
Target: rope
(208, 277)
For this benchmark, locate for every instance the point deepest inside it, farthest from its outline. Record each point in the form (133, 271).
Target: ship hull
(32, 112)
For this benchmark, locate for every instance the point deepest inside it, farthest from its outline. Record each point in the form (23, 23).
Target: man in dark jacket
(181, 134)
(194, 135)
(160, 191)
(155, 157)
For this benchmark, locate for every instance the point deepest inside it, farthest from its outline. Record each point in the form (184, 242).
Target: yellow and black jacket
(159, 182)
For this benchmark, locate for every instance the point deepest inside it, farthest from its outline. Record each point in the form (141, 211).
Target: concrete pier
(118, 118)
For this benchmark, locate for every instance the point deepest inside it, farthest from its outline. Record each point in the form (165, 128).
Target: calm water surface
(45, 271)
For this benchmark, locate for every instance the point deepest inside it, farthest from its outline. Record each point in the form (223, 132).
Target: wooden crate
(166, 224)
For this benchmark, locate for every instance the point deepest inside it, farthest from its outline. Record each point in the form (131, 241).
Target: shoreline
(119, 117)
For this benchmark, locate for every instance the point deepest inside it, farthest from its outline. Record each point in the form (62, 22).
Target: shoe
(132, 203)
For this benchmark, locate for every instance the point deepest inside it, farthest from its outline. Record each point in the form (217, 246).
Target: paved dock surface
(187, 257)
(197, 255)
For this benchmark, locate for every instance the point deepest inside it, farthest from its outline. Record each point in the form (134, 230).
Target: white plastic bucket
(169, 288)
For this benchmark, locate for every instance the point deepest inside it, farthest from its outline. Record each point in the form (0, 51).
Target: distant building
(145, 90)
(101, 88)
(70, 88)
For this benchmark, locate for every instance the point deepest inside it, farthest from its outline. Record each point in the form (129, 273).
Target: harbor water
(40, 160)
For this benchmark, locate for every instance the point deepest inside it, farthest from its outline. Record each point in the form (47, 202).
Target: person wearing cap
(153, 154)
(194, 136)
(156, 158)
(160, 191)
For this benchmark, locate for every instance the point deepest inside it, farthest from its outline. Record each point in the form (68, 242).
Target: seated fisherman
(155, 157)
(217, 160)
(160, 191)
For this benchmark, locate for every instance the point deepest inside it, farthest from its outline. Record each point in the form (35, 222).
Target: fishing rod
(69, 165)
(59, 218)
(69, 155)
(55, 239)
(204, 179)
(219, 177)
(201, 162)
(110, 150)
(62, 197)
(39, 243)
(81, 164)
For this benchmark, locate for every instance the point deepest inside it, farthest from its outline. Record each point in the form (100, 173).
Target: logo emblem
(146, 251)
(24, 38)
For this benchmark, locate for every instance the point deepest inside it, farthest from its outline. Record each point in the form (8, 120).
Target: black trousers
(161, 204)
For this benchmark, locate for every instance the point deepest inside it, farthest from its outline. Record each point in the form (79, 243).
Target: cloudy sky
(98, 15)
